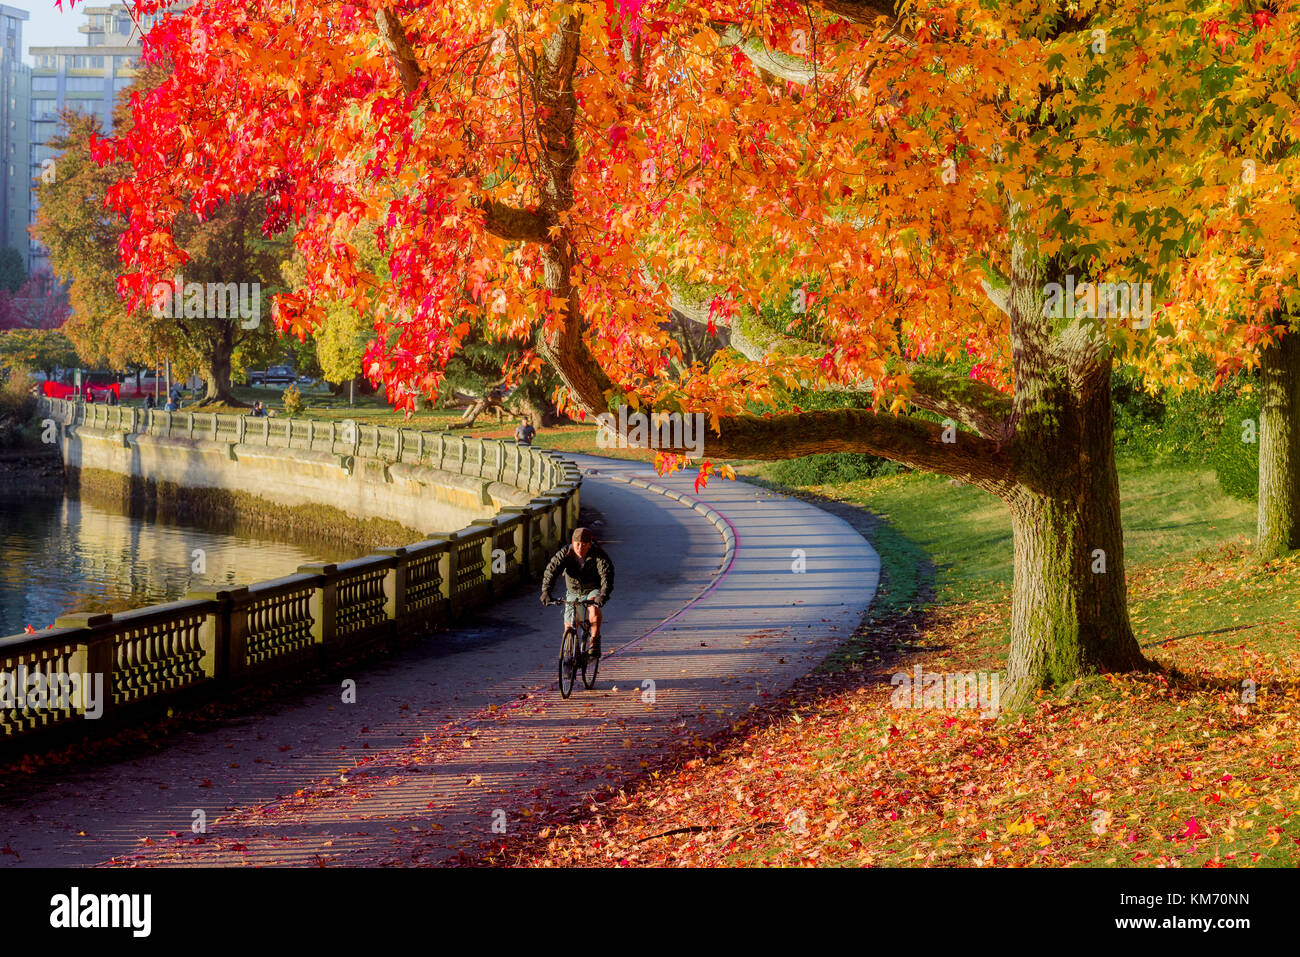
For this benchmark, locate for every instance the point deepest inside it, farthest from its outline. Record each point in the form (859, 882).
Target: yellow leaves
(1023, 826)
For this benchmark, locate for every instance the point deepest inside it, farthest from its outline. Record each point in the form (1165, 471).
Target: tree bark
(1069, 601)
(216, 372)
(1279, 448)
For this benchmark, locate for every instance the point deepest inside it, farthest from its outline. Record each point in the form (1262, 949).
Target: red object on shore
(58, 390)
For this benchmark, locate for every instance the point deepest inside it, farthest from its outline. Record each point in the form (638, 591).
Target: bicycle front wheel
(568, 661)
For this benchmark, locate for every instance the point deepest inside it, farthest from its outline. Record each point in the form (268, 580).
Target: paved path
(466, 734)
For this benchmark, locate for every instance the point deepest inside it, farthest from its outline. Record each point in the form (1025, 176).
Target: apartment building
(15, 131)
(82, 78)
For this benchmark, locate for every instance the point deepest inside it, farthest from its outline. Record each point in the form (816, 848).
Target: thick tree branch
(797, 69)
(512, 223)
(393, 34)
(786, 66)
(557, 108)
(501, 220)
(973, 403)
(913, 442)
(861, 11)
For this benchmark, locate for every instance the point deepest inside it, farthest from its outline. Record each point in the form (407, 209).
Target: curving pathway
(465, 736)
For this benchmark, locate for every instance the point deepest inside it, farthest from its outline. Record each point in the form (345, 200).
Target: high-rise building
(15, 132)
(82, 78)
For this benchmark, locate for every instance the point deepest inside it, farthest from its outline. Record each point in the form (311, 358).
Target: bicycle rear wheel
(589, 664)
(568, 661)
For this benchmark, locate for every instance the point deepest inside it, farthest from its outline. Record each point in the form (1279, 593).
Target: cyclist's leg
(569, 597)
(593, 622)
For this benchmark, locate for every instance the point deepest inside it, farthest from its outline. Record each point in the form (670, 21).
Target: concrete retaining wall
(430, 501)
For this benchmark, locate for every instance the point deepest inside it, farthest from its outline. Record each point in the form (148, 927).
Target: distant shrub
(17, 410)
(16, 399)
(1168, 427)
(1236, 453)
(293, 402)
(832, 468)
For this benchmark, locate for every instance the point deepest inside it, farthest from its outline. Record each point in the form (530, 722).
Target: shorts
(575, 596)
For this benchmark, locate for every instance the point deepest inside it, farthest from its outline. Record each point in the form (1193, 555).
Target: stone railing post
(450, 572)
(488, 547)
(518, 534)
(97, 653)
(540, 534)
(224, 635)
(395, 586)
(324, 607)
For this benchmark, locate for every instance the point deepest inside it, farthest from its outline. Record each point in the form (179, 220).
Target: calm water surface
(59, 555)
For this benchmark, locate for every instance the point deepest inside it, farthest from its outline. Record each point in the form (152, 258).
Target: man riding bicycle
(588, 575)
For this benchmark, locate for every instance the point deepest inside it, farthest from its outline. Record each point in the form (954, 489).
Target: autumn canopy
(879, 201)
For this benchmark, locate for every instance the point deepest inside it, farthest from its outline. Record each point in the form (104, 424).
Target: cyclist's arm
(606, 569)
(552, 568)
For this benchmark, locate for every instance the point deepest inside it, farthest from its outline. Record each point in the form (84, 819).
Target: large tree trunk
(1279, 448)
(1069, 601)
(216, 373)
(1069, 604)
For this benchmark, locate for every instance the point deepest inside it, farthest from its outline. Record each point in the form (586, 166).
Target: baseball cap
(581, 534)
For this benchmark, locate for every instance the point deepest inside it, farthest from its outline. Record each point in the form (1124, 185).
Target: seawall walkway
(465, 733)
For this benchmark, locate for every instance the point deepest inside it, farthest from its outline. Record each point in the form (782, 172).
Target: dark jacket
(581, 577)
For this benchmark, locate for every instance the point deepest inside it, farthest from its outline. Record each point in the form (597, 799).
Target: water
(59, 555)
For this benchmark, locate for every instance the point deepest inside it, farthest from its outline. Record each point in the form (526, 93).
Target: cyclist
(588, 574)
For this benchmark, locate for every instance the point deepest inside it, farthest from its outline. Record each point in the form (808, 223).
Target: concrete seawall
(430, 501)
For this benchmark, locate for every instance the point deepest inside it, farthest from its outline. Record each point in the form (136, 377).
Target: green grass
(1170, 515)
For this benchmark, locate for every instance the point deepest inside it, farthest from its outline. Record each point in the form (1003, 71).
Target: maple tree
(83, 245)
(1246, 263)
(917, 178)
(221, 246)
(42, 350)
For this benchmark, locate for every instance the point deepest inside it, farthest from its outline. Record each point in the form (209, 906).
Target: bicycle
(575, 648)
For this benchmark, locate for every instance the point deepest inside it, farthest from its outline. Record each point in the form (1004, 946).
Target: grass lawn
(1181, 767)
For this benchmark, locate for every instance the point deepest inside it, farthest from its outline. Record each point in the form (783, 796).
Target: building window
(45, 83)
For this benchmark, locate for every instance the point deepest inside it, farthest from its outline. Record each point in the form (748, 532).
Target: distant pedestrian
(111, 398)
(149, 403)
(525, 433)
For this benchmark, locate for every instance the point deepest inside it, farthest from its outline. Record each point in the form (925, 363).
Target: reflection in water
(62, 555)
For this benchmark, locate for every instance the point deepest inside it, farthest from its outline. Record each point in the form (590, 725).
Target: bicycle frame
(580, 659)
